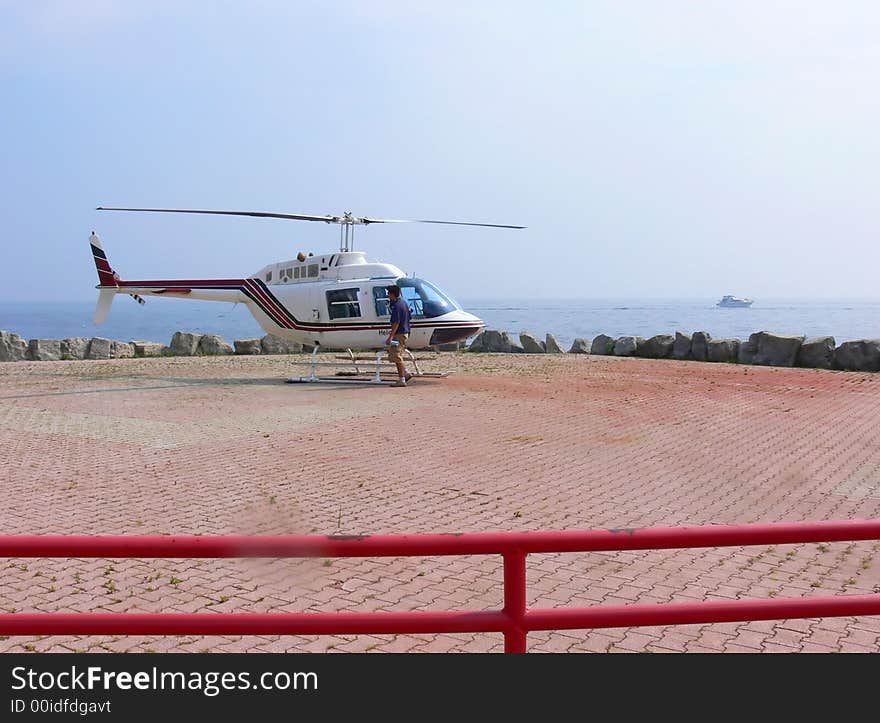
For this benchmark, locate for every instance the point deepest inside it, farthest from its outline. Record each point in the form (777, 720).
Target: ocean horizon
(566, 319)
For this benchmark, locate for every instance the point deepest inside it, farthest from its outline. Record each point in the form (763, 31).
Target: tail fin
(107, 280)
(106, 275)
(105, 299)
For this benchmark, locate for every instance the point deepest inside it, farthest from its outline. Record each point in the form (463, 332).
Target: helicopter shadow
(327, 384)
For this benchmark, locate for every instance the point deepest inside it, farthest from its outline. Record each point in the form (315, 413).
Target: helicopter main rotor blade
(258, 214)
(446, 223)
(345, 219)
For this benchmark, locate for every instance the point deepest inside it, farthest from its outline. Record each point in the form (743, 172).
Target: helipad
(223, 446)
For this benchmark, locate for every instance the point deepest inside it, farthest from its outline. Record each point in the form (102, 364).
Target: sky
(653, 149)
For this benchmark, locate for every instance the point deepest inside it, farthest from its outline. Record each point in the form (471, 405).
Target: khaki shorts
(395, 353)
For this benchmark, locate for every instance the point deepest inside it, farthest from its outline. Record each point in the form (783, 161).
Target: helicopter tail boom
(109, 284)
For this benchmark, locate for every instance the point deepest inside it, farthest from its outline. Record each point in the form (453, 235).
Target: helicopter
(336, 300)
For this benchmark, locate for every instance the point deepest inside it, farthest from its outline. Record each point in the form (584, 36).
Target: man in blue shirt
(400, 326)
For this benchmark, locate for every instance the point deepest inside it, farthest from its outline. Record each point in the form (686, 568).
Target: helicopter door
(314, 310)
(381, 303)
(317, 305)
(382, 309)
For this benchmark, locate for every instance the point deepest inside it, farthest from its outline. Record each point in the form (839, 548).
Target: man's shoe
(407, 376)
(398, 383)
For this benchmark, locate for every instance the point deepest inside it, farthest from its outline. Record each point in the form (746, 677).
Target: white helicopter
(333, 300)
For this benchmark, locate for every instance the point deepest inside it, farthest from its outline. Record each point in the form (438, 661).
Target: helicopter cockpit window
(413, 300)
(424, 299)
(313, 270)
(296, 272)
(343, 303)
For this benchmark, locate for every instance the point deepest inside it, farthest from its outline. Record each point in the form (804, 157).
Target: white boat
(734, 302)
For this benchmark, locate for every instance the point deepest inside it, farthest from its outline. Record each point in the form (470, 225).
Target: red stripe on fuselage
(272, 304)
(192, 283)
(273, 308)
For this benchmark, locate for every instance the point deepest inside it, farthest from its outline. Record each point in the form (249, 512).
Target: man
(400, 323)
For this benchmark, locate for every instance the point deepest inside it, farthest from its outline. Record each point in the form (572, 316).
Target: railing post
(515, 601)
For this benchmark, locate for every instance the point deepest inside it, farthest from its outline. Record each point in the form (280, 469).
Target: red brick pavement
(215, 446)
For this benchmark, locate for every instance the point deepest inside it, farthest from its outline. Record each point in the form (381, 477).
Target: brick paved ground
(221, 445)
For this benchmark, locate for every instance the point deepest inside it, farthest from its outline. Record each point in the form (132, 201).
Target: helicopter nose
(458, 333)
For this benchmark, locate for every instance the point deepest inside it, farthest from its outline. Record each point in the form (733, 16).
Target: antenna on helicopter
(346, 221)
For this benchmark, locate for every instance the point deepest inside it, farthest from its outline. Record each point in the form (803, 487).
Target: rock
(626, 346)
(99, 348)
(248, 346)
(515, 346)
(723, 350)
(817, 353)
(184, 343)
(747, 350)
(12, 347)
(493, 341)
(530, 344)
(276, 345)
(861, 356)
(44, 350)
(657, 347)
(579, 346)
(121, 350)
(74, 347)
(496, 341)
(681, 347)
(700, 345)
(776, 350)
(602, 344)
(213, 345)
(476, 344)
(149, 348)
(551, 346)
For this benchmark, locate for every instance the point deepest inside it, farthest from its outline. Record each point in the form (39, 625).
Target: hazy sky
(652, 148)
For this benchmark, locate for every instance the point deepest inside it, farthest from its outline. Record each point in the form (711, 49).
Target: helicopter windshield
(423, 298)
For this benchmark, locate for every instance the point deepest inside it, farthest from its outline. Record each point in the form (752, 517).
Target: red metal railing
(514, 620)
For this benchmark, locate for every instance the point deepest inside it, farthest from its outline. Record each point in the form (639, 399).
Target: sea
(566, 319)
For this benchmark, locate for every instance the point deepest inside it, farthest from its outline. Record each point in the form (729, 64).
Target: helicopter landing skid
(357, 374)
(337, 380)
(392, 375)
